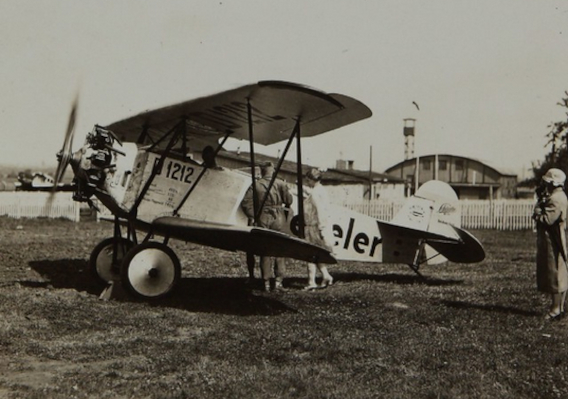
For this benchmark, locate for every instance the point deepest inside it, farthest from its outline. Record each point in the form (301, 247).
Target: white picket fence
(476, 214)
(22, 204)
(499, 214)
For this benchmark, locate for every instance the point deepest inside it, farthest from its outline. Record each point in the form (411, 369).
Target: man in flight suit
(272, 217)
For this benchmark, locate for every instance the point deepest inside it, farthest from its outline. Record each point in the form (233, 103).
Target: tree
(558, 142)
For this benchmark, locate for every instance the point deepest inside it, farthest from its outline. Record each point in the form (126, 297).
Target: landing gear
(150, 270)
(419, 258)
(104, 265)
(416, 269)
(424, 254)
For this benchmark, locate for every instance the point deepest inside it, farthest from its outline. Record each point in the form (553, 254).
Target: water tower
(409, 138)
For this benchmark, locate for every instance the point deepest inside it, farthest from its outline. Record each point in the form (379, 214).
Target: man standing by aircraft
(271, 217)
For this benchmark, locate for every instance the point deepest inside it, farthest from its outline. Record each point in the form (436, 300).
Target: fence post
(77, 208)
(18, 207)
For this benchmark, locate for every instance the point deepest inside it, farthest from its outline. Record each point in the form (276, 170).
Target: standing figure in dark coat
(273, 216)
(551, 263)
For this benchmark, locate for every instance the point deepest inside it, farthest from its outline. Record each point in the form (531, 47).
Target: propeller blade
(61, 168)
(65, 154)
(71, 126)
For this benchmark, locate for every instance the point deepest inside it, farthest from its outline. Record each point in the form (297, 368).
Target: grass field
(468, 331)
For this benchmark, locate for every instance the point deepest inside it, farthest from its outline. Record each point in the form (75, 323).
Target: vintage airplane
(39, 181)
(139, 168)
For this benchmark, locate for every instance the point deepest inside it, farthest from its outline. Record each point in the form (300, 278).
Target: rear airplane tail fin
(434, 203)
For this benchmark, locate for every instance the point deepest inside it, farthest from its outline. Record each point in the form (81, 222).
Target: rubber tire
(102, 273)
(295, 225)
(139, 264)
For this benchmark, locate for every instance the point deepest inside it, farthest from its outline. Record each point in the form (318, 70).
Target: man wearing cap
(272, 217)
(551, 262)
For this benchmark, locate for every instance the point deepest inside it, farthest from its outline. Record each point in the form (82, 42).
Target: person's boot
(278, 286)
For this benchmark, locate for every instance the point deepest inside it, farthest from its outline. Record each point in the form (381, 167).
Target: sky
(487, 75)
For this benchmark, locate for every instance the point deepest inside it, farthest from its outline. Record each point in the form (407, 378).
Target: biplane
(39, 181)
(141, 169)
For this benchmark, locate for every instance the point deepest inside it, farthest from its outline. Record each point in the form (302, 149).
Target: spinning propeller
(65, 155)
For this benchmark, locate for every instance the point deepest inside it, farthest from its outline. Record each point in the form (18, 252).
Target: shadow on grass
(214, 295)
(403, 279)
(64, 273)
(226, 295)
(491, 308)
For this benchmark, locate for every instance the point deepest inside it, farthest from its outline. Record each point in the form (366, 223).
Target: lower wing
(256, 240)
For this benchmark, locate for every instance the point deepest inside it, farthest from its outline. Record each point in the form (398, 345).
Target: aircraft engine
(92, 163)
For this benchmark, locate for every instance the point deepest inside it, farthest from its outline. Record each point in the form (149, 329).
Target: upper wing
(255, 240)
(275, 108)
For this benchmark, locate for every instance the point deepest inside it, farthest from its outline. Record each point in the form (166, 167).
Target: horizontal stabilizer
(256, 240)
(469, 249)
(400, 243)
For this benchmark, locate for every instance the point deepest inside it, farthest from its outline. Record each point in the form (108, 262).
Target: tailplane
(428, 230)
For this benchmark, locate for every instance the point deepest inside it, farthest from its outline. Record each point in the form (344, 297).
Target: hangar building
(470, 178)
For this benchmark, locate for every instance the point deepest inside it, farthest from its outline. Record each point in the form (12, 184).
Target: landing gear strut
(104, 263)
(418, 260)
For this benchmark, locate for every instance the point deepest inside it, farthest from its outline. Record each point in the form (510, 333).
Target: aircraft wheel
(295, 225)
(150, 270)
(100, 262)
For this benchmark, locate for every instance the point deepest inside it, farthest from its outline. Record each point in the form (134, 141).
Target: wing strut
(205, 167)
(176, 130)
(277, 170)
(142, 138)
(252, 162)
(300, 178)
